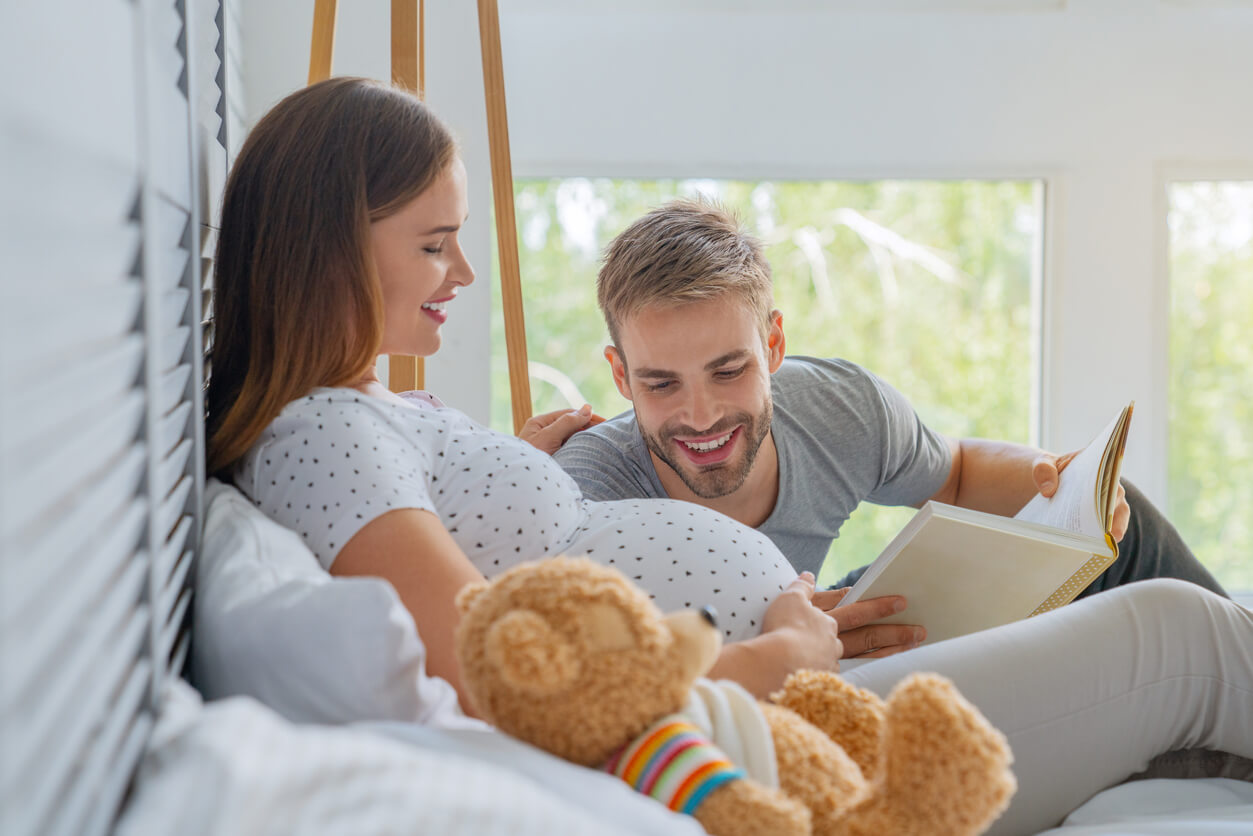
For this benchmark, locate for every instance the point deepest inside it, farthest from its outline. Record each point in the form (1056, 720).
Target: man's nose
(702, 408)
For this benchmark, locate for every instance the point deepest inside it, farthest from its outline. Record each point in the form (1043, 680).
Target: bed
(307, 728)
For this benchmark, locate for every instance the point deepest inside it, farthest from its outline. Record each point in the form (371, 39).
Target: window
(1210, 456)
(930, 284)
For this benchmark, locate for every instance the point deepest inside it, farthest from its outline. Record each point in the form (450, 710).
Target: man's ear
(775, 341)
(618, 366)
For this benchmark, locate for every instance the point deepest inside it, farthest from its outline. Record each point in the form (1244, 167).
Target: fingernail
(585, 409)
(919, 635)
(898, 606)
(1046, 486)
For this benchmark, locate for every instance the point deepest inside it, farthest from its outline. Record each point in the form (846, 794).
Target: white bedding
(235, 767)
(1166, 807)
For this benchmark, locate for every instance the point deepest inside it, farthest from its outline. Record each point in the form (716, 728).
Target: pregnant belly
(684, 556)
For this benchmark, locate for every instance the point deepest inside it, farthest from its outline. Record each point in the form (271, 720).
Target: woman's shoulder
(344, 408)
(337, 398)
(339, 422)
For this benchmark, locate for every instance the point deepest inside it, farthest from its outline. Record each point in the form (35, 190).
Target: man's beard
(725, 477)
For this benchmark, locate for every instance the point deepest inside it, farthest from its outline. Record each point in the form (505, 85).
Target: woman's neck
(369, 384)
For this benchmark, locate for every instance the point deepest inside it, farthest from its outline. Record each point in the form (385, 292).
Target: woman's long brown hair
(296, 301)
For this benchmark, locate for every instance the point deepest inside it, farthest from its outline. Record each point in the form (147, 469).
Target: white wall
(1100, 97)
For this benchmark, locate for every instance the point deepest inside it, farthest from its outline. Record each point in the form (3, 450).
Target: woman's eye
(433, 250)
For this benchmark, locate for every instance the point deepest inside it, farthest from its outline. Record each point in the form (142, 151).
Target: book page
(1074, 506)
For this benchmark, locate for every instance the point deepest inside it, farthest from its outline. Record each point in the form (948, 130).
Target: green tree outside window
(1211, 375)
(927, 283)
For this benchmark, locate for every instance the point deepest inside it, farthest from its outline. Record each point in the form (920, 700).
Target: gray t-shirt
(842, 434)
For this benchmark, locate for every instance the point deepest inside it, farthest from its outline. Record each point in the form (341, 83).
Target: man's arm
(992, 476)
(999, 477)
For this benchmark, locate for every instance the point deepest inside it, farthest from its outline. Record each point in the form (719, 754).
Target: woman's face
(421, 265)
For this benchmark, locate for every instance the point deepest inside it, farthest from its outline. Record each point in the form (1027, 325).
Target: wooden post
(405, 372)
(322, 47)
(506, 224)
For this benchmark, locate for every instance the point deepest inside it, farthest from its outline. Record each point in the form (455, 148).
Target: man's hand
(859, 632)
(1047, 469)
(549, 431)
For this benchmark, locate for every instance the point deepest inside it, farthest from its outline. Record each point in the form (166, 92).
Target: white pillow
(270, 623)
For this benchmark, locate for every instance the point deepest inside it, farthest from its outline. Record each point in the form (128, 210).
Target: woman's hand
(795, 635)
(804, 635)
(549, 431)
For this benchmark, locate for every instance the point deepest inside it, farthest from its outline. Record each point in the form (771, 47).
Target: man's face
(698, 376)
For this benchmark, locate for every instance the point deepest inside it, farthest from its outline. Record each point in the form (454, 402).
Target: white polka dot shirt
(337, 459)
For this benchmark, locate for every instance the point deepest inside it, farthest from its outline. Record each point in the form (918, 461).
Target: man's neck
(750, 504)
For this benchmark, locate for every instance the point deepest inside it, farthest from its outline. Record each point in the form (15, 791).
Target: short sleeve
(326, 467)
(606, 463)
(916, 459)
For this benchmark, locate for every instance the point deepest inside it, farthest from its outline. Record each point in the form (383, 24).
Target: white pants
(1088, 694)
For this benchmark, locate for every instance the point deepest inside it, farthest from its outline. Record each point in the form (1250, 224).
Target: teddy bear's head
(572, 657)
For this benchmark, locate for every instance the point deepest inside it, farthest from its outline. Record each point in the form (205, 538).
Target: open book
(964, 570)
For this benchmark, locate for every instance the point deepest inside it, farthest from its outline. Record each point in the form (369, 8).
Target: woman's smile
(436, 309)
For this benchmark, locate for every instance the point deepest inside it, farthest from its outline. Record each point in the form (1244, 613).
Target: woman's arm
(412, 550)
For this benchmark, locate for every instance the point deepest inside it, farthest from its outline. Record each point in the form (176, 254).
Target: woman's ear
(775, 341)
(617, 364)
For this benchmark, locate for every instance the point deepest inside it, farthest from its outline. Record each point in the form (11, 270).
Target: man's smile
(708, 450)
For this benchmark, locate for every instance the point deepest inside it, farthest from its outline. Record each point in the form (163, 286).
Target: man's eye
(660, 387)
(728, 374)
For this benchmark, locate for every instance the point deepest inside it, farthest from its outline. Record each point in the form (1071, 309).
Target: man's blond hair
(683, 251)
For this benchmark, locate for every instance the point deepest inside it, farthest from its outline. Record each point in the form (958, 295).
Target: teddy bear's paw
(945, 769)
(746, 808)
(851, 716)
(814, 769)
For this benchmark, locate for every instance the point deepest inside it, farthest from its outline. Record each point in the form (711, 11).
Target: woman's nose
(463, 272)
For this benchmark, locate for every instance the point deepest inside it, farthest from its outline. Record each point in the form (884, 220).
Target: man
(790, 447)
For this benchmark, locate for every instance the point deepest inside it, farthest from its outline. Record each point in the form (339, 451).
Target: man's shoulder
(617, 435)
(610, 461)
(802, 378)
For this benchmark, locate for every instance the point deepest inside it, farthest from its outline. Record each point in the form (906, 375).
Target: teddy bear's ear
(530, 655)
(468, 595)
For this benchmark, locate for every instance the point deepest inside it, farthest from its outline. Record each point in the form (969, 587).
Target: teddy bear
(572, 657)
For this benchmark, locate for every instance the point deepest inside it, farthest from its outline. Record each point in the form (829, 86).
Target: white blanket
(1165, 807)
(235, 767)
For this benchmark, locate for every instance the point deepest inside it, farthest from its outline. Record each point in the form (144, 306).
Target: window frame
(1165, 175)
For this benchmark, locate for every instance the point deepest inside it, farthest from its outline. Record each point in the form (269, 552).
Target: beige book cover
(963, 570)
